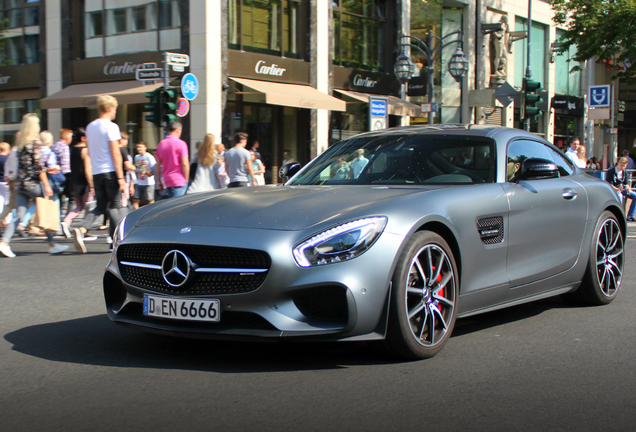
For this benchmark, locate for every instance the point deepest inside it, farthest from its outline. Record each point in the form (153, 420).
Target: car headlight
(340, 243)
(120, 233)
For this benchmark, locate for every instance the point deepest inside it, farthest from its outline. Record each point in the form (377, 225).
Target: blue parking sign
(599, 96)
(189, 86)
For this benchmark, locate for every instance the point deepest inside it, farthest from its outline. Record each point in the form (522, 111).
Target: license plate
(182, 308)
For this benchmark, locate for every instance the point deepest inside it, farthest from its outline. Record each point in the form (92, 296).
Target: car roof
(452, 130)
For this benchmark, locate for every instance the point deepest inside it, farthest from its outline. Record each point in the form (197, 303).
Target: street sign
(505, 94)
(178, 61)
(378, 113)
(611, 131)
(149, 66)
(183, 107)
(189, 86)
(427, 107)
(599, 96)
(148, 74)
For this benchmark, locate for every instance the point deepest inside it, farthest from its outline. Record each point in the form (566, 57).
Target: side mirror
(535, 168)
(289, 170)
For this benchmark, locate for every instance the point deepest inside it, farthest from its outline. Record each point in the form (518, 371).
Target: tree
(601, 30)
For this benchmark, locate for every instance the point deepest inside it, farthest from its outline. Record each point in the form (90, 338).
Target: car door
(546, 221)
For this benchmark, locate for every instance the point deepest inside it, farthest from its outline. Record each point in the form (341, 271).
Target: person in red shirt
(173, 163)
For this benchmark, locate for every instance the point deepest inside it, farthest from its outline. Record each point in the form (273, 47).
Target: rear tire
(423, 305)
(604, 271)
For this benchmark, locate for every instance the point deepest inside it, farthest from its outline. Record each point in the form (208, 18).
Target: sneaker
(65, 230)
(631, 219)
(79, 241)
(109, 240)
(58, 248)
(90, 238)
(5, 249)
(21, 232)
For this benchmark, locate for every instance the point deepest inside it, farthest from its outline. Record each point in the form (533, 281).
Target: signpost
(600, 96)
(189, 86)
(183, 107)
(378, 113)
(178, 61)
(505, 94)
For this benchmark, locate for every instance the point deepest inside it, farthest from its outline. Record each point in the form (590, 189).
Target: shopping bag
(48, 214)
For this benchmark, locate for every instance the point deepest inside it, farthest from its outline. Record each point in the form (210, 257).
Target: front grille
(325, 304)
(202, 256)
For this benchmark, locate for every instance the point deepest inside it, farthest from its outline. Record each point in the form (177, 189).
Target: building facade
(296, 75)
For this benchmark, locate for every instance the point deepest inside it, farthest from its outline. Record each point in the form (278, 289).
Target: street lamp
(457, 66)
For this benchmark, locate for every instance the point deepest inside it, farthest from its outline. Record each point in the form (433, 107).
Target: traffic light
(154, 107)
(169, 104)
(531, 97)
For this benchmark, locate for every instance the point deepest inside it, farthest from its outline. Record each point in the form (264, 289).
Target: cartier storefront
(114, 75)
(270, 98)
(19, 94)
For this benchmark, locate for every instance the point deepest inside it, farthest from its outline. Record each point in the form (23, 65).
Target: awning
(293, 95)
(397, 106)
(85, 95)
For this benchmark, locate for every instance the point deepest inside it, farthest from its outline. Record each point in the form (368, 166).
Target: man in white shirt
(145, 190)
(572, 151)
(358, 164)
(102, 136)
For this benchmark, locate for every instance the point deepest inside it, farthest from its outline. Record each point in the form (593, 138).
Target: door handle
(569, 194)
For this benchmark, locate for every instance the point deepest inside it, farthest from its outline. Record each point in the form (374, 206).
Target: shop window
(358, 29)
(567, 81)
(118, 21)
(95, 24)
(139, 18)
(270, 27)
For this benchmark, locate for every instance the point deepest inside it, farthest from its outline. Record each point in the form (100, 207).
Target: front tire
(423, 305)
(604, 272)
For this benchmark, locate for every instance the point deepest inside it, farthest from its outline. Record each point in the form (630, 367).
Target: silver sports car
(389, 236)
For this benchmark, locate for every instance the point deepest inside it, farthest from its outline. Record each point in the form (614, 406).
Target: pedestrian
(31, 182)
(259, 169)
(129, 173)
(80, 184)
(205, 178)
(572, 151)
(5, 194)
(221, 174)
(62, 151)
(238, 163)
(145, 188)
(102, 137)
(581, 156)
(173, 163)
(358, 164)
(255, 146)
(630, 161)
(618, 178)
(10, 168)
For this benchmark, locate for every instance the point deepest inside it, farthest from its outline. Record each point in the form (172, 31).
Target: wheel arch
(620, 216)
(447, 234)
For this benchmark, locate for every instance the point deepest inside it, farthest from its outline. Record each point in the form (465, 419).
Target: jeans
(107, 197)
(632, 208)
(176, 191)
(22, 201)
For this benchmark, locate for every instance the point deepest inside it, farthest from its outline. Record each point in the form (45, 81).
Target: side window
(566, 167)
(520, 150)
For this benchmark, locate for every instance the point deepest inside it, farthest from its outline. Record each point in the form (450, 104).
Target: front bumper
(346, 300)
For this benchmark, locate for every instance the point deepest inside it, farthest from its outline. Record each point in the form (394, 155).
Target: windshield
(406, 159)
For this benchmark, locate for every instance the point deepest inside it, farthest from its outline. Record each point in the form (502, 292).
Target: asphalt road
(65, 367)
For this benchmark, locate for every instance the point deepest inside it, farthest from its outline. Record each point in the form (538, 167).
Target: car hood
(276, 208)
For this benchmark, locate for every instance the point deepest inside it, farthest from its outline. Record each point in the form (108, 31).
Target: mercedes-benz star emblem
(176, 268)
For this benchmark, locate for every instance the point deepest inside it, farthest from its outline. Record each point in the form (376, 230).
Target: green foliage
(599, 29)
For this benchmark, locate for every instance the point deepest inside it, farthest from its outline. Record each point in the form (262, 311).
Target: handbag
(48, 214)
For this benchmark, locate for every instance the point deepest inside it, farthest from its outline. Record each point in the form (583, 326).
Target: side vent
(491, 230)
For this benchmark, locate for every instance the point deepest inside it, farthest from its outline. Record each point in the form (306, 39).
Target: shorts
(144, 193)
